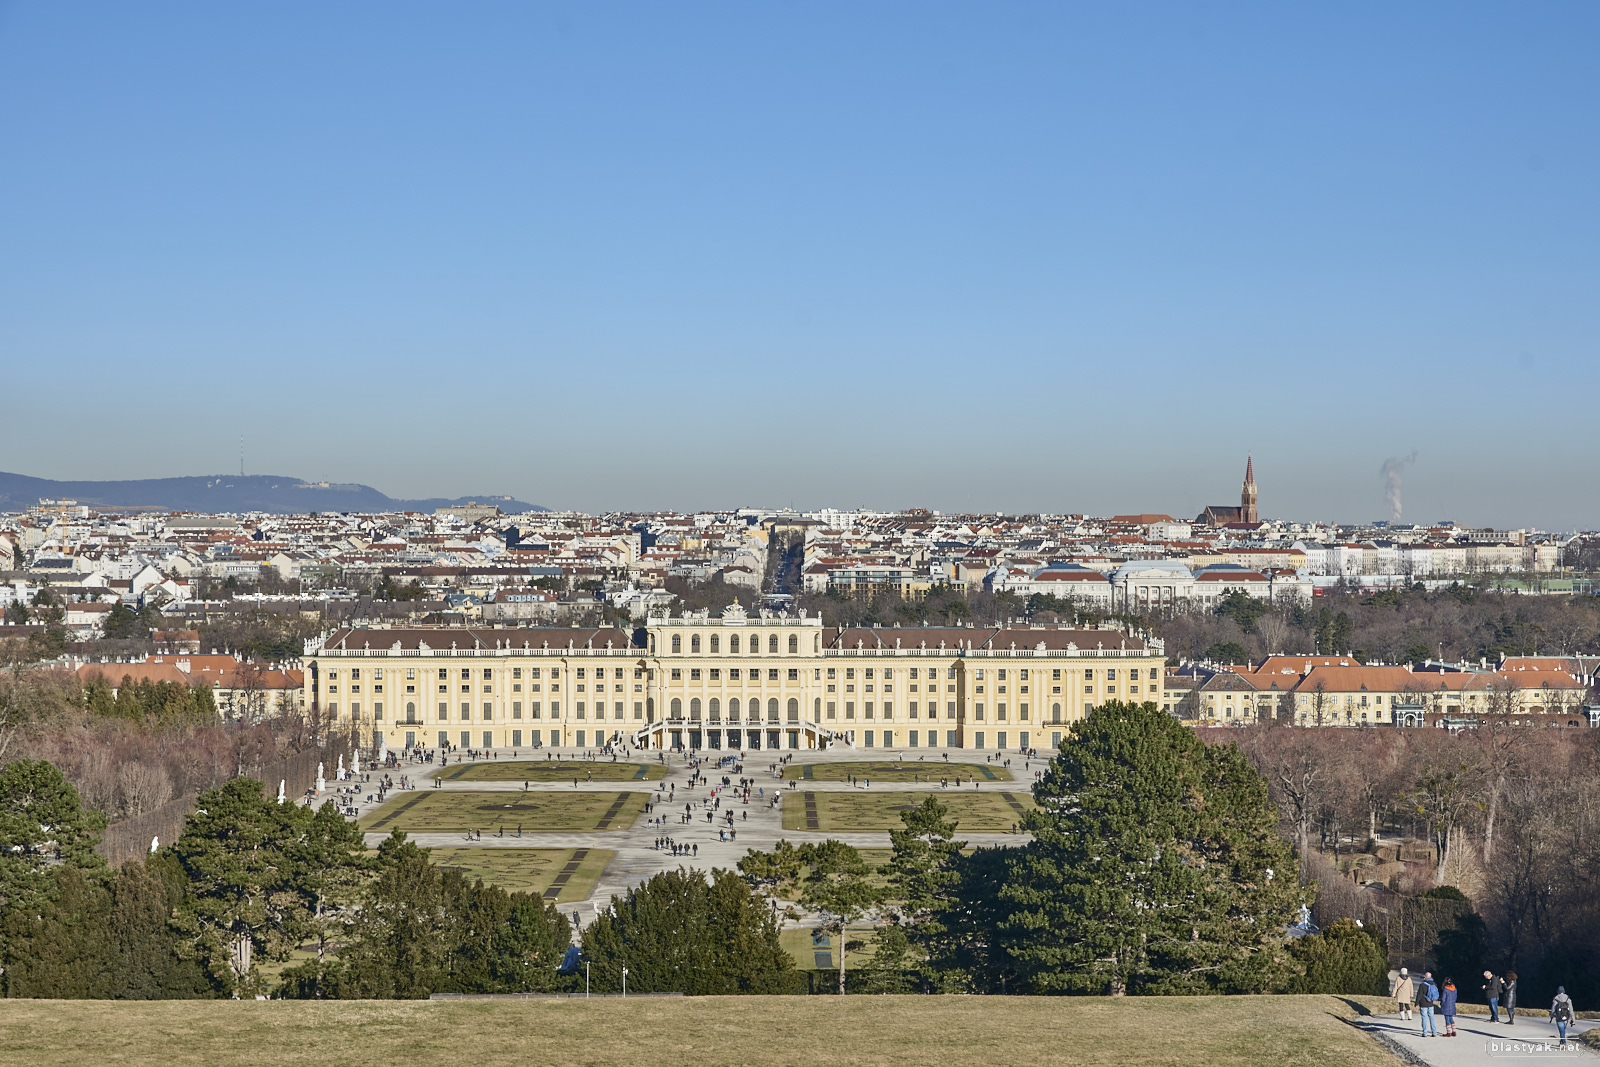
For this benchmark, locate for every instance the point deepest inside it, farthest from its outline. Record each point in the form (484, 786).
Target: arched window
(1055, 712)
(411, 712)
(733, 709)
(694, 707)
(772, 710)
(694, 643)
(816, 709)
(715, 708)
(677, 709)
(794, 642)
(794, 710)
(715, 641)
(733, 643)
(677, 643)
(755, 644)
(772, 644)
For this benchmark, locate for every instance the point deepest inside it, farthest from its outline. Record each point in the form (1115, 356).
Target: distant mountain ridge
(276, 494)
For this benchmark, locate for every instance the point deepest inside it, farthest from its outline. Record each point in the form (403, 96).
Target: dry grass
(896, 771)
(993, 810)
(554, 771)
(707, 1032)
(448, 812)
(526, 870)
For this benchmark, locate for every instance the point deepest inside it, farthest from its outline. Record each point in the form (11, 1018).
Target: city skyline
(602, 258)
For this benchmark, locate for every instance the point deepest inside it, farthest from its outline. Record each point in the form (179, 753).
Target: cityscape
(798, 536)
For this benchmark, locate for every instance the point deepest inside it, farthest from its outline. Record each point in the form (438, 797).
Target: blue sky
(1014, 256)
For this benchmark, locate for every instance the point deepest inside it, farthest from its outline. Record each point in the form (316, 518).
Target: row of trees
(1394, 626)
(1510, 815)
(1156, 867)
(220, 911)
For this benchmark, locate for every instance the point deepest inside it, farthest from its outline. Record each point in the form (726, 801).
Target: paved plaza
(758, 823)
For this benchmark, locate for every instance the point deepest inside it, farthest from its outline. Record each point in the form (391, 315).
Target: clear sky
(1062, 257)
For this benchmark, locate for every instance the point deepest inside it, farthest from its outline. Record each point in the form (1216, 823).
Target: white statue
(355, 762)
(338, 772)
(282, 786)
(322, 780)
(155, 843)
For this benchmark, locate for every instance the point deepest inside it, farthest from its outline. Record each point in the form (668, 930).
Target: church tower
(1247, 495)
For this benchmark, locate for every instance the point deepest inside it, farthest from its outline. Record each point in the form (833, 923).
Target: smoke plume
(1392, 471)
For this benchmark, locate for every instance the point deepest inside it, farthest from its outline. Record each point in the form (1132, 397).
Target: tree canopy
(1156, 866)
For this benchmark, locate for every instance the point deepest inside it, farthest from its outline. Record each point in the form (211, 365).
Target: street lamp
(624, 983)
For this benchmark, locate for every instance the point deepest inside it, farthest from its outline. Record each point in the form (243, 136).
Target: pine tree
(149, 962)
(838, 886)
(398, 943)
(257, 872)
(923, 875)
(679, 933)
(43, 826)
(1156, 866)
(61, 948)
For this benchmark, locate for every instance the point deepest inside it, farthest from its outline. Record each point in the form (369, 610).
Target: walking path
(758, 824)
(1479, 1041)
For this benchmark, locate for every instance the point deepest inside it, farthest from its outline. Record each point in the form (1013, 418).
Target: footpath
(1532, 1040)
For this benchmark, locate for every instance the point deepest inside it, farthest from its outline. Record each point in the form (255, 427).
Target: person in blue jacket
(1427, 997)
(1447, 1006)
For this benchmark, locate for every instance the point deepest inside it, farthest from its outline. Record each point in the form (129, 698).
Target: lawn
(553, 771)
(530, 870)
(989, 810)
(706, 1031)
(436, 811)
(895, 771)
(802, 946)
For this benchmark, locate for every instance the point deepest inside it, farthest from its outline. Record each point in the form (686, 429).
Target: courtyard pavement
(757, 825)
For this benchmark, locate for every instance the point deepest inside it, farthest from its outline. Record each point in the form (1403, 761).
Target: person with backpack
(1403, 991)
(1447, 1006)
(1492, 989)
(1427, 1000)
(1561, 1012)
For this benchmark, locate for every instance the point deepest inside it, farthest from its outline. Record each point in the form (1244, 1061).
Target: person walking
(1510, 997)
(1447, 1005)
(1561, 1012)
(1427, 998)
(1403, 990)
(1492, 989)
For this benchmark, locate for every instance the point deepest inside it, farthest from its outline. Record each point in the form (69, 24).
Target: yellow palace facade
(730, 681)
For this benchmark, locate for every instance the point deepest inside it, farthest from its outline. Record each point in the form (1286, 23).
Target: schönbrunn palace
(733, 681)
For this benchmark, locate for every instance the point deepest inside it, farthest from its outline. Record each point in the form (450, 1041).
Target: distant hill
(230, 493)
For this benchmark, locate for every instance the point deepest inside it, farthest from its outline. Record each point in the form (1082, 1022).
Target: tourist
(1510, 995)
(1403, 989)
(1447, 1005)
(1492, 988)
(1561, 1012)
(1427, 1000)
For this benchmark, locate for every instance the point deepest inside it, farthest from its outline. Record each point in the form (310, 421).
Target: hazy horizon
(1025, 258)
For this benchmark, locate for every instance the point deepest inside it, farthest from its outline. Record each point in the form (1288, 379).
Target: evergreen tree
(838, 886)
(924, 876)
(398, 944)
(679, 933)
(1156, 866)
(150, 963)
(1344, 958)
(257, 871)
(61, 948)
(43, 826)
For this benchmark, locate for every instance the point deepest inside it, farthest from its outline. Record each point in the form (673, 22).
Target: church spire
(1247, 495)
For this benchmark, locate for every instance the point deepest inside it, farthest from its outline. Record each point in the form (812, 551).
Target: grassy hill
(705, 1031)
